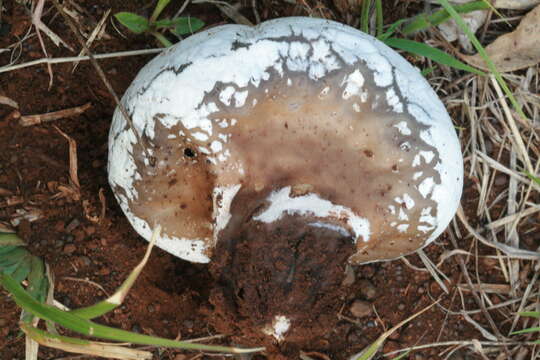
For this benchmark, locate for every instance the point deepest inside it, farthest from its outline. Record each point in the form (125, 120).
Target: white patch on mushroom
(392, 209)
(280, 325)
(336, 228)
(226, 95)
(200, 136)
(427, 217)
(427, 155)
(402, 216)
(402, 227)
(289, 82)
(424, 228)
(416, 161)
(281, 202)
(403, 128)
(417, 175)
(240, 98)
(204, 150)
(393, 101)
(222, 198)
(353, 84)
(409, 202)
(426, 186)
(216, 146)
(356, 107)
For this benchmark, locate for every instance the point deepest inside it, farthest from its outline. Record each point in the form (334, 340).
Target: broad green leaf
(12, 257)
(23, 269)
(187, 25)
(432, 53)
(10, 239)
(163, 23)
(391, 30)
(424, 21)
(135, 23)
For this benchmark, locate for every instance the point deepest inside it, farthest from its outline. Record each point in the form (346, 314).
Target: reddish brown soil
(91, 247)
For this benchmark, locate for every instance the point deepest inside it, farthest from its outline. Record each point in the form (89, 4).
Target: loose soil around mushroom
(92, 248)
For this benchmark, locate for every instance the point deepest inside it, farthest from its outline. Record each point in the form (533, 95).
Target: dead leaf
(451, 31)
(501, 4)
(516, 50)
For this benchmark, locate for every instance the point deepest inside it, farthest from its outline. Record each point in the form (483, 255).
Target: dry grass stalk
(30, 120)
(73, 167)
(97, 30)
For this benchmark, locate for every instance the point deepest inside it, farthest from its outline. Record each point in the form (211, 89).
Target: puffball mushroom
(297, 117)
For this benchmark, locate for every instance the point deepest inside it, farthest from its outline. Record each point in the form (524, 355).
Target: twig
(142, 144)
(30, 120)
(62, 60)
(93, 35)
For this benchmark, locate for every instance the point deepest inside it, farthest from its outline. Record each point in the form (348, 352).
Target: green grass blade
(525, 331)
(430, 52)
(391, 30)
(533, 178)
(483, 54)
(379, 17)
(135, 23)
(534, 314)
(422, 21)
(118, 297)
(159, 8)
(364, 16)
(162, 39)
(89, 328)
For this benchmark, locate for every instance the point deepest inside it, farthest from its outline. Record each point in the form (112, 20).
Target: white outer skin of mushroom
(216, 55)
(280, 325)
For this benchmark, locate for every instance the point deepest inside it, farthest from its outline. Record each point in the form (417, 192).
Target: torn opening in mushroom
(300, 118)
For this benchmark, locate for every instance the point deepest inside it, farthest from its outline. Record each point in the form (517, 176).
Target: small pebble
(349, 276)
(69, 249)
(72, 225)
(85, 260)
(367, 289)
(401, 307)
(360, 308)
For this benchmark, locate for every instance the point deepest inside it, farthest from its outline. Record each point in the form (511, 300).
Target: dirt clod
(360, 308)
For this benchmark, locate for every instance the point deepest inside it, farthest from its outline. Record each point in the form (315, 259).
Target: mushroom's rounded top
(297, 116)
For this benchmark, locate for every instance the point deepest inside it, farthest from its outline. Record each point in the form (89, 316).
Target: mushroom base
(288, 269)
